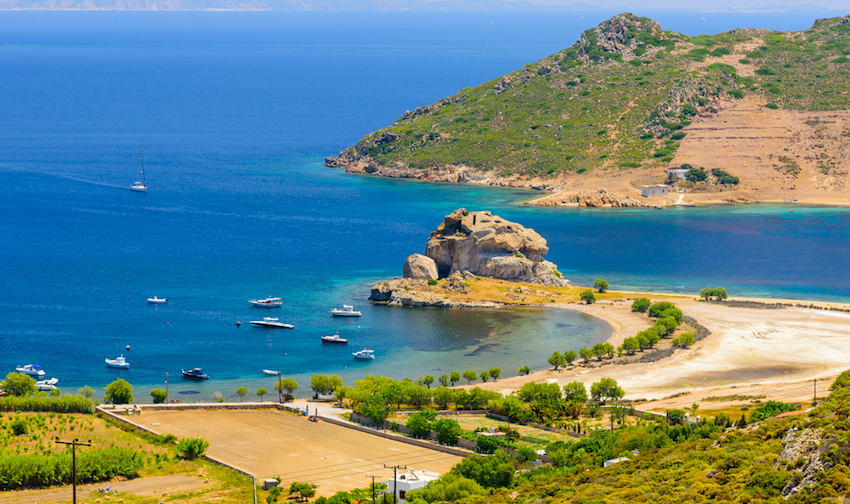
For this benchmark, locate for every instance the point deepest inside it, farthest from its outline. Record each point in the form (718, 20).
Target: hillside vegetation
(618, 99)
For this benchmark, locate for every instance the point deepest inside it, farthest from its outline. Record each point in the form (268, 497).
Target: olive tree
(606, 389)
(18, 384)
(588, 296)
(241, 392)
(119, 392)
(261, 392)
(600, 285)
(470, 376)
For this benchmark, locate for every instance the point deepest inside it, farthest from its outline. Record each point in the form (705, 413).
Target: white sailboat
(141, 185)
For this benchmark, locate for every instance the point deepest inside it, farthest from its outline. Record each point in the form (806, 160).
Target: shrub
(770, 409)
(431, 281)
(192, 448)
(119, 392)
(736, 93)
(62, 404)
(684, 340)
(158, 395)
(641, 305)
(588, 297)
(842, 381)
(771, 106)
(20, 426)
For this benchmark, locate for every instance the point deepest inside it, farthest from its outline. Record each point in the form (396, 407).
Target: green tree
(684, 340)
(630, 345)
(641, 305)
(643, 341)
(719, 293)
(454, 378)
(588, 296)
(18, 384)
(600, 285)
(470, 376)
(449, 488)
(485, 375)
(598, 350)
(666, 325)
(609, 349)
(706, 293)
(324, 384)
(495, 471)
(557, 360)
(443, 396)
(428, 380)
(444, 380)
(575, 392)
(241, 392)
(495, 373)
(447, 430)
(85, 391)
(119, 392)
(570, 356)
(191, 448)
(420, 422)
(287, 387)
(261, 392)
(159, 395)
(586, 354)
(606, 389)
(523, 370)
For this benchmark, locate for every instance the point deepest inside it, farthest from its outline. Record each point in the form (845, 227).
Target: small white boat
(334, 339)
(30, 369)
(156, 300)
(272, 322)
(141, 185)
(269, 302)
(47, 385)
(347, 311)
(270, 372)
(118, 362)
(364, 354)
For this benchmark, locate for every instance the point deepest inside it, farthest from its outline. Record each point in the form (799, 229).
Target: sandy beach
(750, 351)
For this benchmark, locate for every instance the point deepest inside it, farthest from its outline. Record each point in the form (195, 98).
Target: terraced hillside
(620, 103)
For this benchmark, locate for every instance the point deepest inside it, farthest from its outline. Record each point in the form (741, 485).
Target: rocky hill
(628, 100)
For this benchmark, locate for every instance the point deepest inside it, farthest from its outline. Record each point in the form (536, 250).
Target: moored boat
(346, 311)
(334, 339)
(195, 374)
(269, 302)
(30, 369)
(156, 300)
(364, 354)
(47, 385)
(272, 322)
(119, 362)
(270, 372)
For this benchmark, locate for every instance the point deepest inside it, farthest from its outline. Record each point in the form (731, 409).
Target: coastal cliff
(628, 101)
(465, 247)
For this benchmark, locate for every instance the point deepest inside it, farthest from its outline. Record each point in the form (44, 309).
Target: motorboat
(30, 369)
(347, 311)
(140, 185)
(195, 374)
(334, 339)
(364, 354)
(272, 322)
(270, 372)
(269, 302)
(156, 300)
(47, 385)
(118, 362)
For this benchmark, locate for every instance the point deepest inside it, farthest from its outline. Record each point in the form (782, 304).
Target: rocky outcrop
(487, 245)
(807, 446)
(411, 292)
(598, 199)
(420, 267)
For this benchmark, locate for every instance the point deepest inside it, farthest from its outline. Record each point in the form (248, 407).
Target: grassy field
(188, 481)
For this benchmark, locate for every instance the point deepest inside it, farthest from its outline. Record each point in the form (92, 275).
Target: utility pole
(395, 469)
(166, 387)
(374, 497)
(279, 389)
(815, 401)
(74, 444)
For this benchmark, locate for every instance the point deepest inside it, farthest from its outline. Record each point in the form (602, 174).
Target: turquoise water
(234, 115)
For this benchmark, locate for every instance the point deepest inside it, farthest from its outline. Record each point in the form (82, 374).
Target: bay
(234, 113)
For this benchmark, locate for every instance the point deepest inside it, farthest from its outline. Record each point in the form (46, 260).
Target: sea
(233, 113)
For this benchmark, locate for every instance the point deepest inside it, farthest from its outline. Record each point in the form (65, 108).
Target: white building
(648, 191)
(410, 480)
(679, 173)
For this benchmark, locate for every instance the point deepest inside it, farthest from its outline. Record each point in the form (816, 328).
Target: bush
(158, 395)
(771, 106)
(36, 471)
(770, 409)
(684, 340)
(641, 305)
(20, 426)
(192, 448)
(447, 430)
(431, 281)
(526, 454)
(119, 392)
(62, 404)
(843, 381)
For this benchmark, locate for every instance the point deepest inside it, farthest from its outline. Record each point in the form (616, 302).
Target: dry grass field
(270, 443)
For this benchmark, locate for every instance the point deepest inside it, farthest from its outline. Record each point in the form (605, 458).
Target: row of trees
(718, 293)
(669, 317)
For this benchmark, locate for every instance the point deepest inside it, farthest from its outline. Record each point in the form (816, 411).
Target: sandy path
(270, 443)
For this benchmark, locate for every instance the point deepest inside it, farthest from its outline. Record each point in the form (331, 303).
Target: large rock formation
(487, 245)
(420, 267)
